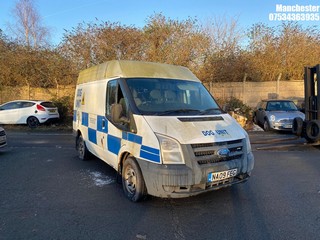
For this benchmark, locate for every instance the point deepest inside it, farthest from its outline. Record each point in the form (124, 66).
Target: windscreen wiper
(185, 110)
(211, 111)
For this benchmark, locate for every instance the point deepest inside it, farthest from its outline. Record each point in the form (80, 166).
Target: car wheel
(83, 152)
(132, 180)
(297, 126)
(33, 122)
(266, 126)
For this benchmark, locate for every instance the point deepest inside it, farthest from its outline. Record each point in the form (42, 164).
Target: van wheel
(132, 181)
(33, 122)
(81, 147)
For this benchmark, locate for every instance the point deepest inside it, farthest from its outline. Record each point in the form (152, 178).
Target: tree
(298, 47)
(94, 43)
(224, 59)
(175, 42)
(282, 51)
(28, 28)
(263, 56)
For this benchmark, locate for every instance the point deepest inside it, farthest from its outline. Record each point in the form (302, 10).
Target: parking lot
(47, 193)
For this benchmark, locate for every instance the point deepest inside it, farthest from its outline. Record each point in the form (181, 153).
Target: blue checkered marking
(85, 119)
(150, 153)
(102, 124)
(114, 143)
(132, 137)
(92, 135)
(74, 115)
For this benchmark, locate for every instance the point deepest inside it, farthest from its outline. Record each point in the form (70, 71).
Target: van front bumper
(178, 181)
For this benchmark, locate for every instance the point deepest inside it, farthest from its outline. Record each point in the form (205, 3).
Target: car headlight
(170, 150)
(272, 118)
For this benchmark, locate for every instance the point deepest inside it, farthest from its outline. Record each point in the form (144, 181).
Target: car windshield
(281, 106)
(171, 97)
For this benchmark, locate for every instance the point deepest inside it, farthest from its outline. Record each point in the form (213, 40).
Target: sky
(58, 15)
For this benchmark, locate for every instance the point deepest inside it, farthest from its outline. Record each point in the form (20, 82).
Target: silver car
(3, 138)
(276, 114)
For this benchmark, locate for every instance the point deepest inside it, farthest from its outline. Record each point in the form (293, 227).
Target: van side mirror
(116, 114)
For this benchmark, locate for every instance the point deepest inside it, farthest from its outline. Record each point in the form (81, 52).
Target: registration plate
(217, 176)
(288, 126)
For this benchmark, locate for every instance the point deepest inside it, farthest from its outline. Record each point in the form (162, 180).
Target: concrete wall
(249, 92)
(17, 93)
(252, 92)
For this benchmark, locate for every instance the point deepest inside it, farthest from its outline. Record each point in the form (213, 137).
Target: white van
(159, 128)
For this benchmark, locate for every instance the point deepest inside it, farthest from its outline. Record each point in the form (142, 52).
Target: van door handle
(103, 124)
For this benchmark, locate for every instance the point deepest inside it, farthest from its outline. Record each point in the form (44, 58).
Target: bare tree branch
(27, 27)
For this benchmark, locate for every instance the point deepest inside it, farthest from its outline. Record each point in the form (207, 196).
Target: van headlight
(170, 150)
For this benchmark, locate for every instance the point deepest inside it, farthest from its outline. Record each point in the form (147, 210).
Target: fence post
(244, 99)
(278, 85)
(57, 90)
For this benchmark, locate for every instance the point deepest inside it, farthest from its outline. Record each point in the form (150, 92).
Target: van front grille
(209, 153)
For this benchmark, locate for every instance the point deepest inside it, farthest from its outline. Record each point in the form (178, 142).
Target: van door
(112, 136)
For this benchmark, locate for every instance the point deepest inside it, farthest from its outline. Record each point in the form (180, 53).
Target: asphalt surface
(47, 193)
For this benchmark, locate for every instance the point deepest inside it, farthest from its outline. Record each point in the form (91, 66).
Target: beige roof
(135, 69)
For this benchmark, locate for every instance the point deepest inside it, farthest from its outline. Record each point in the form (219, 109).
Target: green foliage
(65, 107)
(236, 105)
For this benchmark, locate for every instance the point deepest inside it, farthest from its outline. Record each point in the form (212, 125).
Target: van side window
(111, 95)
(115, 95)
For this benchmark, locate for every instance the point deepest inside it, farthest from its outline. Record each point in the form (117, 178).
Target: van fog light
(168, 188)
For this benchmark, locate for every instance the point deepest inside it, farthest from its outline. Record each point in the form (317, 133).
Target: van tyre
(33, 122)
(132, 181)
(313, 131)
(81, 147)
(297, 126)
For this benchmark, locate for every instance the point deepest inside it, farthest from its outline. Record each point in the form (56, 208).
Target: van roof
(135, 69)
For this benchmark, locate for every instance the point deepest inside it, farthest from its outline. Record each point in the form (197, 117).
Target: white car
(3, 138)
(28, 112)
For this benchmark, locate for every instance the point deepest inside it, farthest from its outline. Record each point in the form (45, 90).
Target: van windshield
(168, 97)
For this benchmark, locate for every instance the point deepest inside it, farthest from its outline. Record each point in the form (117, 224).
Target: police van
(159, 128)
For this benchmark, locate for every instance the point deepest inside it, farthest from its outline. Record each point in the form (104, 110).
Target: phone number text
(294, 16)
